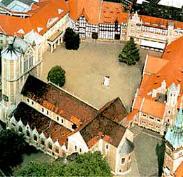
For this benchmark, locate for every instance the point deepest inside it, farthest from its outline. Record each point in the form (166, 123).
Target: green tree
(71, 39)
(160, 152)
(33, 169)
(57, 76)
(87, 164)
(130, 53)
(12, 146)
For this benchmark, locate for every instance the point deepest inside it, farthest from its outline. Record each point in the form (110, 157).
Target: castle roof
(58, 101)
(179, 171)
(97, 11)
(168, 69)
(114, 110)
(42, 123)
(43, 15)
(102, 128)
(92, 124)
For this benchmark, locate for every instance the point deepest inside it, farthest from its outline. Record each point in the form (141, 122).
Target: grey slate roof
(126, 148)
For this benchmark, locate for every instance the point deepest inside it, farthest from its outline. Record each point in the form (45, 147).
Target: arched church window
(35, 138)
(27, 133)
(42, 142)
(49, 145)
(20, 129)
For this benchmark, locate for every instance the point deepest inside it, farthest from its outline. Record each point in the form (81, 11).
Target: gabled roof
(38, 18)
(154, 64)
(114, 110)
(179, 171)
(42, 123)
(153, 108)
(90, 8)
(172, 72)
(58, 101)
(159, 22)
(92, 124)
(126, 148)
(102, 128)
(97, 11)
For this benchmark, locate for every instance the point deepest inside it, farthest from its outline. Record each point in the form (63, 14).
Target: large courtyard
(86, 68)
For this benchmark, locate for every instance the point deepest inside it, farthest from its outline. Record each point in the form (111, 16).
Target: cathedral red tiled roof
(179, 171)
(40, 17)
(114, 110)
(172, 72)
(96, 11)
(42, 123)
(102, 128)
(58, 101)
(170, 69)
(159, 22)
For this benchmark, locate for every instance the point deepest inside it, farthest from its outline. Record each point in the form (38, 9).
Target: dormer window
(74, 126)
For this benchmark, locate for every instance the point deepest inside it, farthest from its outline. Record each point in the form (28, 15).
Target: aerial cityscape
(91, 88)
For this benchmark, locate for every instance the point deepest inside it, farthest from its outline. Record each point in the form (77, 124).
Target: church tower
(171, 104)
(174, 146)
(19, 59)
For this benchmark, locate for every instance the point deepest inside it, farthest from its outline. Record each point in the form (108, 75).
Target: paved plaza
(86, 68)
(145, 142)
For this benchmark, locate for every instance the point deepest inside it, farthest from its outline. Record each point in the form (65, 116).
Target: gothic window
(35, 138)
(20, 129)
(49, 145)
(57, 118)
(42, 142)
(106, 146)
(30, 61)
(57, 150)
(75, 148)
(80, 150)
(122, 160)
(5, 98)
(26, 65)
(27, 133)
(27, 100)
(13, 124)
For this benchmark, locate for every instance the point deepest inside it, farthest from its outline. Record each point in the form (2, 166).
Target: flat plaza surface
(144, 160)
(86, 68)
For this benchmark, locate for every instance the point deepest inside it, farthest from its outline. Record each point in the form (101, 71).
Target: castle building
(153, 33)
(174, 148)
(60, 124)
(158, 98)
(29, 28)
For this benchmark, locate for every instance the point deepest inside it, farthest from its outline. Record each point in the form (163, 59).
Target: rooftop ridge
(49, 82)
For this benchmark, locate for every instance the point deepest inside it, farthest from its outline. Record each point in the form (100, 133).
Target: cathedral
(59, 123)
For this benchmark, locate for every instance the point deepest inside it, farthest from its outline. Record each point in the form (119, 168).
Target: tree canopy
(87, 164)
(71, 39)
(160, 152)
(130, 53)
(57, 76)
(12, 147)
